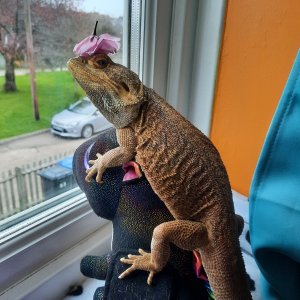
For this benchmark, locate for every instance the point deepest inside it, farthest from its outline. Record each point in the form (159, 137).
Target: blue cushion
(275, 198)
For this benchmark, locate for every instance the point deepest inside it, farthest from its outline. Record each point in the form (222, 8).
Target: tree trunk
(10, 80)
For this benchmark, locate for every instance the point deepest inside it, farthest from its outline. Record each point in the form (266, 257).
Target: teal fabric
(275, 198)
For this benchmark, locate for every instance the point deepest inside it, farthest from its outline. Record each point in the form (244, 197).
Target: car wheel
(87, 131)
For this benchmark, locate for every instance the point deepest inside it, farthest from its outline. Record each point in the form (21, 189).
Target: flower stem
(95, 29)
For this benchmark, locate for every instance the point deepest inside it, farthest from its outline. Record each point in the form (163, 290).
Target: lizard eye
(102, 63)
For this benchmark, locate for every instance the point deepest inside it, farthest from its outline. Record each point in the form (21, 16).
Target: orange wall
(261, 40)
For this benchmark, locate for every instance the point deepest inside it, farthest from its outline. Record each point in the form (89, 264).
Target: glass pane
(36, 155)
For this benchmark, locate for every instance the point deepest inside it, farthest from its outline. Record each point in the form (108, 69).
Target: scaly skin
(183, 167)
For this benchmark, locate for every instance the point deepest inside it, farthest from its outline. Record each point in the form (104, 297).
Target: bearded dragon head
(115, 90)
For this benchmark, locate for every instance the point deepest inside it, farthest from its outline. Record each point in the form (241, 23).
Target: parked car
(81, 119)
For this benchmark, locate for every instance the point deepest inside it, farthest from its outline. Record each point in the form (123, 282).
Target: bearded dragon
(182, 166)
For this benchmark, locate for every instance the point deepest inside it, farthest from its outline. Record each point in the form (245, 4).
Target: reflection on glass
(83, 107)
(36, 165)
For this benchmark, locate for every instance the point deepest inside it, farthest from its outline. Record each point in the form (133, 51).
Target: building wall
(261, 40)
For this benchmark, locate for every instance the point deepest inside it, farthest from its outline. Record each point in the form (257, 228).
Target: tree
(12, 29)
(11, 39)
(56, 27)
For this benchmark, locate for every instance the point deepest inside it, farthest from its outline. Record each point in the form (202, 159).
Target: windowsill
(33, 244)
(17, 224)
(57, 239)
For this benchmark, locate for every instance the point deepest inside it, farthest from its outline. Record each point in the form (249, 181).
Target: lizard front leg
(187, 235)
(115, 157)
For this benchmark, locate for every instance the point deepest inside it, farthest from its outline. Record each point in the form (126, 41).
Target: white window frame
(182, 42)
(185, 76)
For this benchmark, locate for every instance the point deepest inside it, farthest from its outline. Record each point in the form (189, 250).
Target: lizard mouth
(79, 71)
(72, 64)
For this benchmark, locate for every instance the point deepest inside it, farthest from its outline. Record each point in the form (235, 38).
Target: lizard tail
(226, 272)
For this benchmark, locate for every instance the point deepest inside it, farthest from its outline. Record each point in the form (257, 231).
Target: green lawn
(56, 90)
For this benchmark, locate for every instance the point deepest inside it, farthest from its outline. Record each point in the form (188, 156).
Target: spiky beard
(119, 115)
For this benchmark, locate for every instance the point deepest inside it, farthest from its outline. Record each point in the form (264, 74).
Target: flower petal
(86, 45)
(105, 43)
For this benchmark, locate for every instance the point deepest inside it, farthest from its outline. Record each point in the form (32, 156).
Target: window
(45, 232)
(41, 126)
(44, 218)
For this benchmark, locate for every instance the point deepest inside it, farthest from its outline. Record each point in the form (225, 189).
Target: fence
(21, 188)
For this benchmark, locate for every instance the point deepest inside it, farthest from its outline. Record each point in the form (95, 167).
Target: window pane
(36, 155)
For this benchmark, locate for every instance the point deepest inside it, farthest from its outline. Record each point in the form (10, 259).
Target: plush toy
(135, 210)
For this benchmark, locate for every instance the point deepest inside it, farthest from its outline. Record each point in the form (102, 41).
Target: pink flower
(93, 44)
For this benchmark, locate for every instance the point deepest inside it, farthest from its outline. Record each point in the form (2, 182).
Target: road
(32, 148)
(26, 71)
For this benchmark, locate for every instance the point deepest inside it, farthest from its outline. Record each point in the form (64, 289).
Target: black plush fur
(135, 210)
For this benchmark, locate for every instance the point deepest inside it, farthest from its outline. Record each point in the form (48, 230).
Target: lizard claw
(97, 168)
(139, 262)
(150, 277)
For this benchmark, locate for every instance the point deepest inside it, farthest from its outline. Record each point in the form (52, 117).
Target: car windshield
(83, 107)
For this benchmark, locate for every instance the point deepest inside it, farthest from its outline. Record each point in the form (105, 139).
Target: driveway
(33, 148)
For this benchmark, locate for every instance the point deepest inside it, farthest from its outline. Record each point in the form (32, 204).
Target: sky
(113, 8)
